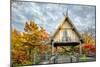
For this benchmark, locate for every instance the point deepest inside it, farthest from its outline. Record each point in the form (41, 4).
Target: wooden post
(31, 55)
(55, 60)
(77, 57)
(71, 60)
(72, 53)
(34, 55)
(52, 48)
(80, 49)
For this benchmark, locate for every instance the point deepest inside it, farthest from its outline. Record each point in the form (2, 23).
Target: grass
(84, 58)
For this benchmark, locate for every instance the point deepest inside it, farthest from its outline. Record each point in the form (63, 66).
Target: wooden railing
(50, 60)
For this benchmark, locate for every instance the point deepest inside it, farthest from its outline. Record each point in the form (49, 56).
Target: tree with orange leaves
(26, 44)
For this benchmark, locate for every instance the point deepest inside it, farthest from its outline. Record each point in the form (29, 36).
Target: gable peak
(65, 13)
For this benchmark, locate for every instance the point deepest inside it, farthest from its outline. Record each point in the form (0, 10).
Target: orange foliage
(90, 48)
(22, 42)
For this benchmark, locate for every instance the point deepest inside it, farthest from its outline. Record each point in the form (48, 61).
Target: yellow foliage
(88, 39)
(24, 42)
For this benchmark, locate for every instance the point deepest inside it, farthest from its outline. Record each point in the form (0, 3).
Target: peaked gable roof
(66, 18)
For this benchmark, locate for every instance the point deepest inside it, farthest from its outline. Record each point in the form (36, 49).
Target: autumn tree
(89, 46)
(88, 38)
(36, 37)
(18, 54)
(25, 45)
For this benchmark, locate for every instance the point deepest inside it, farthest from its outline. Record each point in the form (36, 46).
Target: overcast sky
(49, 15)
